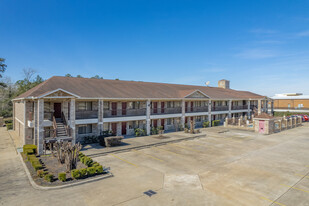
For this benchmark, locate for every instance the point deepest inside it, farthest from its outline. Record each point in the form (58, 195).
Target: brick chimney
(225, 84)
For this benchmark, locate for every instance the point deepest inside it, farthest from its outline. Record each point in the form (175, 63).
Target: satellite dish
(207, 83)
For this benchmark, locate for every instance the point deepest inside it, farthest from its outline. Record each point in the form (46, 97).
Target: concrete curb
(38, 187)
(144, 146)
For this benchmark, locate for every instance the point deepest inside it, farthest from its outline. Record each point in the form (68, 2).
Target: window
(85, 106)
(85, 129)
(169, 121)
(289, 105)
(198, 119)
(106, 105)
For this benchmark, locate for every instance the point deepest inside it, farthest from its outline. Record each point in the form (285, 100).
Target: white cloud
(263, 31)
(257, 54)
(303, 33)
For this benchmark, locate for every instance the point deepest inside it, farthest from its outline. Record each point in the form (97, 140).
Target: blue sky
(261, 46)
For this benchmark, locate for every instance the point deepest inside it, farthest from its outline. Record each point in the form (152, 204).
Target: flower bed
(47, 171)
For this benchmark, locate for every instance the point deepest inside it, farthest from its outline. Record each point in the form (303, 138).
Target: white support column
(148, 121)
(40, 128)
(100, 116)
(249, 111)
(183, 113)
(259, 107)
(230, 108)
(72, 120)
(265, 106)
(209, 112)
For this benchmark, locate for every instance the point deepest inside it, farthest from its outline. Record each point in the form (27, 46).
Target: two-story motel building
(73, 108)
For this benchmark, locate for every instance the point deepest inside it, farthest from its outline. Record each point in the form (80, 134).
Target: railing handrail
(54, 126)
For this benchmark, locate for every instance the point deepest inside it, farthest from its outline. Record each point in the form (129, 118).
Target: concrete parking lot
(222, 167)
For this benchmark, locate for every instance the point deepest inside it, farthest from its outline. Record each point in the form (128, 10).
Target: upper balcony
(124, 112)
(173, 110)
(196, 109)
(242, 107)
(86, 114)
(220, 108)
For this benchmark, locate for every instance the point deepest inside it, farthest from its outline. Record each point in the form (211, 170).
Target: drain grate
(149, 193)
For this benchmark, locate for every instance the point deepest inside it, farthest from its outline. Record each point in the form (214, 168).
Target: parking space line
(124, 160)
(166, 150)
(296, 188)
(185, 148)
(136, 151)
(300, 175)
(278, 203)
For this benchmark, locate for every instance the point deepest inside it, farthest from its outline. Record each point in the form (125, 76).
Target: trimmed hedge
(75, 174)
(99, 169)
(91, 171)
(62, 176)
(9, 126)
(83, 172)
(30, 148)
(206, 124)
(49, 177)
(215, 123)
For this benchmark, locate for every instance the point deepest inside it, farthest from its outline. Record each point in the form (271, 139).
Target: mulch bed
(51, 165)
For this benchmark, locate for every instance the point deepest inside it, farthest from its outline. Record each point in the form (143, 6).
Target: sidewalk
(93, 150)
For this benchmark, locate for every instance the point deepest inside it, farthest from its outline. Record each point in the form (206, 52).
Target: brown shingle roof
(104, 88)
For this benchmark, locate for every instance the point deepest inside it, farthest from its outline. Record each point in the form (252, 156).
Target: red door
(162, 123)
(123, 128)
(191, 106)
(114, 128)
(162, 107)
(57, 110)
(114, 108)
(124, 108)
(186, 106)
(155, 107)
(261, 126)
(155, 123)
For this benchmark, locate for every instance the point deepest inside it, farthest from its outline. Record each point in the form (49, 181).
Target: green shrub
(75, 174)
(91, 171)
(49, 177)
(28, 151)
(206, 124)
(62, 176)
(139, 132)
(30, 147)
(29, 157)
(41, 173)
(215, 122)
(95, 164)
(37, 167)
(35, 162)
(83, 172)
(82, 159)
(88, 161)
(154, 131)
(99, 169)
(8, 121)
(9, 126)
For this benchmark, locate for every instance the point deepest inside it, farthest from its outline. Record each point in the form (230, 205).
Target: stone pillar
(118, 130)
(183, 113)
(100, 117)
(40, 128)
(249, 110)
(72, 120)
(230, 108)
(209, 112)
(148, 121)
(265, 106)
(259, 107)
(35, 123)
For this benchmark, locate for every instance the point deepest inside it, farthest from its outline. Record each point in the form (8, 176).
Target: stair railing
(54, 126)
(66, 126)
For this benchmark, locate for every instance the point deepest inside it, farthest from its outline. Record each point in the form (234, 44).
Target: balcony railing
(291, 108)
(220, 108)
(196, 109)
(240, 107)
(124, 112)
(91, 114)
(174, 110)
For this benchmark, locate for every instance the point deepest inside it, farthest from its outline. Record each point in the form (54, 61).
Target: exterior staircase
(61, 130)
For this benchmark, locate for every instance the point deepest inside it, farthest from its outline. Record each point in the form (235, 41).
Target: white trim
(19, 121)
(199, 92)
(56, 90)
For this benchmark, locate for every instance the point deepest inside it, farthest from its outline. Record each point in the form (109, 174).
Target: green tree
(68, 75)
(2, 66)
(96, 77)
(79, 76)
(28, 82)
